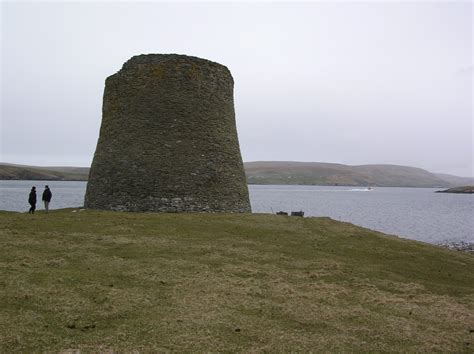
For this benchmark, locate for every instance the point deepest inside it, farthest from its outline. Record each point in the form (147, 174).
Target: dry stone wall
(168, 140)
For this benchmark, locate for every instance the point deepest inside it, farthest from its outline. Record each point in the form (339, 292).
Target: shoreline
(459, 246)
(249, 184)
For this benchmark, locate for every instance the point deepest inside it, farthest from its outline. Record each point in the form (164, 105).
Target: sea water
(414, 213)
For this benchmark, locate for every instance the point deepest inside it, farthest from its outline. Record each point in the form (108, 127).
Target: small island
(464, 190)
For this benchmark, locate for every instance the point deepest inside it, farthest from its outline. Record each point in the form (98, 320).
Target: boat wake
(362, 189)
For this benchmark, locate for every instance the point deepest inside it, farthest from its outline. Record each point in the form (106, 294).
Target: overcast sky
(353, 83)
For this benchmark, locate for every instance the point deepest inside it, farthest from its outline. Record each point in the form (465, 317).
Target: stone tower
(168, 140)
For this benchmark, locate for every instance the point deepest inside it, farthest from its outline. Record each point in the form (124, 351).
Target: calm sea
(415, 213)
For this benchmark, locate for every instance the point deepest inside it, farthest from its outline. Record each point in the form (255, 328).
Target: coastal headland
(461, 190)
(82, 280)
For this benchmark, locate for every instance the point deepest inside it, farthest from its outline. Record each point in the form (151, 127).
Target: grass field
(122, 282)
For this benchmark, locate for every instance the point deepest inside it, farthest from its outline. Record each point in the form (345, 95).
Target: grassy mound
(105, 281)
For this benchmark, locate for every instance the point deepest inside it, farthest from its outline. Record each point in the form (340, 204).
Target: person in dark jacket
(47, 197)
(32, 200)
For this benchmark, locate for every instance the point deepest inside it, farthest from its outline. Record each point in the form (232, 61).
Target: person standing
(32, 200)
(47, 197)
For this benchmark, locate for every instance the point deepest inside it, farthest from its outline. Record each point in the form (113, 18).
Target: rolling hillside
(22, 172)
(455, 180)
(280, 172)
(317, 173)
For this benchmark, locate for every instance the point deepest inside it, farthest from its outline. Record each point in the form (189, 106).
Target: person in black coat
(32, 200)
(47, 197)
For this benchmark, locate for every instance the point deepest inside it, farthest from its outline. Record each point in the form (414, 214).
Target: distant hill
(22, 172)
(280, 172)
(455, 180)
(317, 173)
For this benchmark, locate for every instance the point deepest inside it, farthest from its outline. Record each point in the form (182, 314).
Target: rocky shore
(460, 246)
